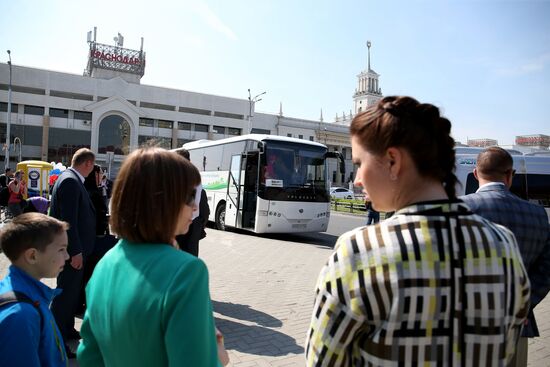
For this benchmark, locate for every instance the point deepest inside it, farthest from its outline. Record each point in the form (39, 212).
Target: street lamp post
(250, 102)
(8, 132)
(15, 142)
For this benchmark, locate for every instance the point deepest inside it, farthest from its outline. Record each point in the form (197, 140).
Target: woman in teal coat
(148, 302)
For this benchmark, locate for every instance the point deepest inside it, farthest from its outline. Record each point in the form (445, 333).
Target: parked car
(341, 193)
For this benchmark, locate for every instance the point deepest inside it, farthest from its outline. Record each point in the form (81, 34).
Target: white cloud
(529, 66)
(213, 21)
(192, 40)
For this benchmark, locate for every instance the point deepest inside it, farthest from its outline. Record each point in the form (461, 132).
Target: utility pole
(8, 128)
(250, 102)
(15, 142)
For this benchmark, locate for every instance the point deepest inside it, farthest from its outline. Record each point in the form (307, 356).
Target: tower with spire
(368, 92)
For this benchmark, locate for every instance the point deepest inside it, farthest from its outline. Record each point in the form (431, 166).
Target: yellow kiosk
(36, 174)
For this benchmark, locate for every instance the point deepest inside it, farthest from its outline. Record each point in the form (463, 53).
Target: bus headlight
(262, 213)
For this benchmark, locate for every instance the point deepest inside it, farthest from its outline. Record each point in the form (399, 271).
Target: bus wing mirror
(337, 155)
(342, 164)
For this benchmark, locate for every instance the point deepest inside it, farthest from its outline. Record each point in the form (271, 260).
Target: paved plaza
(262, 289)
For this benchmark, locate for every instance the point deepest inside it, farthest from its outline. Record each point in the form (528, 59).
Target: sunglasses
(191, 198)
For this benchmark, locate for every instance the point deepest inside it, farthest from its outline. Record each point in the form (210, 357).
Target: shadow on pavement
(257, 340)
(244, 312)
(319, 238)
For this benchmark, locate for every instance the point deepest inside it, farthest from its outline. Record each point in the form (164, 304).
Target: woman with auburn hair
(148, 303)
(432, 285)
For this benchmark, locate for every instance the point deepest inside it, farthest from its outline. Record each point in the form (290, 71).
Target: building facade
(538, 141)
(484, 142)
(53, 114)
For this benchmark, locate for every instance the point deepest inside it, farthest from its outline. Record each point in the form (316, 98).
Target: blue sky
(485, 63)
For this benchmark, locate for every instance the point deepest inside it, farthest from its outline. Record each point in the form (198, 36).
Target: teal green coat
(148, 305)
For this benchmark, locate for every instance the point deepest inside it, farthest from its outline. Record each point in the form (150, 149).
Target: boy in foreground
(36, 246)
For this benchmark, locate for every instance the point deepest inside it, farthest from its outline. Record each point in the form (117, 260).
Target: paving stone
(263, 292)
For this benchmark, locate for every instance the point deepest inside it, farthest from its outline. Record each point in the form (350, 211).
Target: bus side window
(213, 157)
(230, 150)
(471, 184)
(519, 186)
(196, 157)
(538, 188)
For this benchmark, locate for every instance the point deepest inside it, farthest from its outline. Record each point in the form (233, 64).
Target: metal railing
(347, 205)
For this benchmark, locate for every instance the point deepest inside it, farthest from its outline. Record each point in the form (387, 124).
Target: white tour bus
(531, 180)
(265, 183)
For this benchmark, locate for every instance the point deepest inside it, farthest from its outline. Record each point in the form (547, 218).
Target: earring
(393, 177)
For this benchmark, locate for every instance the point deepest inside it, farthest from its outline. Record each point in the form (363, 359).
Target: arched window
(114, 135)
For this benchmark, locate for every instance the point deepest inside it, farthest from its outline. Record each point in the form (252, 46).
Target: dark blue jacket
(71, 203)
(529, 223)
(26, 338)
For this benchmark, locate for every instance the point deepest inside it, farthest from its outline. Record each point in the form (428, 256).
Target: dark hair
(81, 156)
(184, 153)
(417, 127)
(151, 188)
(494, 163)
(29, 230)
(90, 182)
(7, 170)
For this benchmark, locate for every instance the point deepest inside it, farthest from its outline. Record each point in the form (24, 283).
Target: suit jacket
(189, 242)
(529, 223)
(204, 211)
(71, 203)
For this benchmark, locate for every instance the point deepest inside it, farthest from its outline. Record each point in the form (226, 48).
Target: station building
(108, 110)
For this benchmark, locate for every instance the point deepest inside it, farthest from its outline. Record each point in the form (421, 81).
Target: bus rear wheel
(220, 217)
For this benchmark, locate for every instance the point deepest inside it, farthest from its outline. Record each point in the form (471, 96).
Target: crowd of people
(443, 281)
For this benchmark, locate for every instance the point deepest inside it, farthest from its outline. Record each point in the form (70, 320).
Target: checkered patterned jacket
(529, 223)
(434, 285)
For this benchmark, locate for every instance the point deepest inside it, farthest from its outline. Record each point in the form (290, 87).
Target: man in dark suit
(189, 242)
(71, 203)
(6, 177)
(526, 220)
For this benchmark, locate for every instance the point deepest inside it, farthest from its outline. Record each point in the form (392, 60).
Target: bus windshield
(292, 171)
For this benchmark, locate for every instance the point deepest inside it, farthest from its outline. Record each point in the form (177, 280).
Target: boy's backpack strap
(15, 296)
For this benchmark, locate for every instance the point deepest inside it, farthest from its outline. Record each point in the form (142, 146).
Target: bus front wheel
(220, 217)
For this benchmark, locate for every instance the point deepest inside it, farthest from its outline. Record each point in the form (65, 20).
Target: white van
(531, 181)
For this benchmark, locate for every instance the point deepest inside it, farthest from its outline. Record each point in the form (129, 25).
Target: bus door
(249, 193)
(233, 204)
